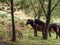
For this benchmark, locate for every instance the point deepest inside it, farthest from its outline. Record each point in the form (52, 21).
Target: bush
(2, 1)
(2, 34)
(0, 8)
(3, 15)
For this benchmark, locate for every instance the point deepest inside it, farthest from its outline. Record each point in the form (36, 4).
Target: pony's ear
(29, 19)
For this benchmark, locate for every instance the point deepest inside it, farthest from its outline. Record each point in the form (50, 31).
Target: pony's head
(29, 21)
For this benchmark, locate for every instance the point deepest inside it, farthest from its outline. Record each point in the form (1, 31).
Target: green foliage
(3, 15)
(24, 4)
(56, 12)
(6, 27)
(27, 7)
(2, 8)
(2, 1)
(2, 34)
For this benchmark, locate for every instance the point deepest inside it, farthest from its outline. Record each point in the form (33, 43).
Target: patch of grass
(29, 39)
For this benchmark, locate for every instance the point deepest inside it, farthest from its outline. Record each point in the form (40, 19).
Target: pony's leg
(57, 32)
(59, 35)
(56, 35)
(49, 31)
(35, 33)
(42, 34)
(49, 34)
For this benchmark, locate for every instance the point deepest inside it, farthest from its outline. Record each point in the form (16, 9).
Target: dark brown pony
(53, 27)
(35, 27)
(39, 25)
(32, 23)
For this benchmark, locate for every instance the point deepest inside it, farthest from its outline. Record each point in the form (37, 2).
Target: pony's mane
(31, 20)
(39, 21)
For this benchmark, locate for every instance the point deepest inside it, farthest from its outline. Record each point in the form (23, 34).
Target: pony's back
(39, 22)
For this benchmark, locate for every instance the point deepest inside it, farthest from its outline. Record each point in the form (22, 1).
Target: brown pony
(34, 26)
(53, 27)
(39, 25)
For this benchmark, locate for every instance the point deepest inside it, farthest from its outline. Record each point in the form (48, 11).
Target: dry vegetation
(24, 33)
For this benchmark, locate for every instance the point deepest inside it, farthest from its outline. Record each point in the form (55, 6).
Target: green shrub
(3, 15)
(2, 34)
(0, 8)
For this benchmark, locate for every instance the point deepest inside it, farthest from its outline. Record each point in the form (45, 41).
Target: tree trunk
(13, 25)
(47, 20)
(47, 14)
(46, 27)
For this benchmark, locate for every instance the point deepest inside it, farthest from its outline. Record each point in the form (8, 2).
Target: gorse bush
(6, 26)
(2, 34)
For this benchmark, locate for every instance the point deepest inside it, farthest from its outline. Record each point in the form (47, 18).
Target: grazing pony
(52, 28)
(39, 25)
(34, 26)
(32, 23)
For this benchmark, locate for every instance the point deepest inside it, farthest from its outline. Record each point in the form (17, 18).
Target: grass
(29, 39)
(38, 41)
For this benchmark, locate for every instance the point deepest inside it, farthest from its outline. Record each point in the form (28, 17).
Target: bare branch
(8, 3)
(55, 5)
(42, 7)
(49, 7)
(33, 8)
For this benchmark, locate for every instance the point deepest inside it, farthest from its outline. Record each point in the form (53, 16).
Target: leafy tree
(31, 6)
(48, 15)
